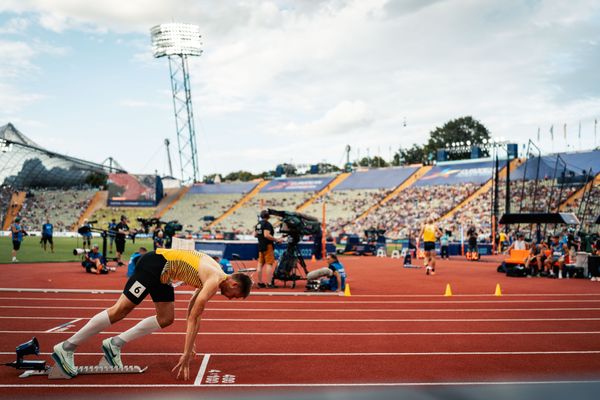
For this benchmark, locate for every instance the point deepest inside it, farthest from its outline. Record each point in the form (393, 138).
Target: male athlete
(430, 233)
(154, 273)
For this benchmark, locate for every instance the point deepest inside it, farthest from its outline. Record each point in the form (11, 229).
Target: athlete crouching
(154, 274)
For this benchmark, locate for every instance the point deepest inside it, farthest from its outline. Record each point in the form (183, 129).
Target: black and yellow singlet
(183, 265)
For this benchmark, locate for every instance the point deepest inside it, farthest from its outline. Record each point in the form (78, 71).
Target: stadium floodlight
(178, 41)
(468, 142)
(484, 141)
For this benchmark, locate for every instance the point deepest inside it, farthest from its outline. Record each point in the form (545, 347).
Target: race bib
(137, 289)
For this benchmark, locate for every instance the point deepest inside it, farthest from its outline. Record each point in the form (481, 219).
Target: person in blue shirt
(94, 262)
(87, 236)
(112, 227)
(225, 265)
(444, 239)
(47, 232)
(133, 260)
(337, 281)
(17, 232)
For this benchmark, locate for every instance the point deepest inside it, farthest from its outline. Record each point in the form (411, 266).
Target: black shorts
(47, 239)
(16, 245)
(146, 280)
(429, 246)
(120, 244)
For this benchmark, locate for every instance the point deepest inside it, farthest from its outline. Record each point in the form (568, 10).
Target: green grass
(32, 251)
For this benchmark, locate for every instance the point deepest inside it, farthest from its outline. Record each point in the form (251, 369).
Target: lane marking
(202, 370)
(313, 310)
(292, 294)
(338, 333)
(329, 320)
(63, 326)
(366, 384)
(373, 354)
(441, 302)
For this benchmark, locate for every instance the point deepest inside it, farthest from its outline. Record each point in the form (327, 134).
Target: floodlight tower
(177, 42)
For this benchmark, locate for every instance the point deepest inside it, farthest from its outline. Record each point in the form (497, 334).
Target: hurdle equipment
(381, 252)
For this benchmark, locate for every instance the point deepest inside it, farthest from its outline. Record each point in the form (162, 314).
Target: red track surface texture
(397, 328)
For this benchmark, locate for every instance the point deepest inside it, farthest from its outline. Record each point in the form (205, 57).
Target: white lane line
(338, 333)
(62, 326)
(294, 294)
(202, 370)
(314, 310)
(441, 301)
(372, 354)
(271, 385)
(330, 320)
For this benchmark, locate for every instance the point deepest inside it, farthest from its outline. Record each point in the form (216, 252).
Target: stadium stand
(61, 207)
(105, 215)
(205, 202)
(286, 194)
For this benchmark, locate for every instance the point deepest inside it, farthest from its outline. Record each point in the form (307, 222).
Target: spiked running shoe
(112, 353)
(65, 360)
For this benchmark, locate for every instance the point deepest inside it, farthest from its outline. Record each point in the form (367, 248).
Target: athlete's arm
(192, 301)
(193, 322)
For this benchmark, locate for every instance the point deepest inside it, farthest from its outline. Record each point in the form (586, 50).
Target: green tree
(466, 130)
(244, 176)
(412, 155)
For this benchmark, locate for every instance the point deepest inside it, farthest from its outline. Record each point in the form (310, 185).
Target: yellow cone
(448, 290)
(498, 290)
(347, 290)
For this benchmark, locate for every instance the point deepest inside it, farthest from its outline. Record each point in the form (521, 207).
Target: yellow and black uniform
(429, 237)
(156, 270)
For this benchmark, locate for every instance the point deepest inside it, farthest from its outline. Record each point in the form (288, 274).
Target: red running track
(395, 329)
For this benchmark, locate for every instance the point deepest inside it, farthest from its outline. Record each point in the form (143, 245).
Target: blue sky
(283, 81)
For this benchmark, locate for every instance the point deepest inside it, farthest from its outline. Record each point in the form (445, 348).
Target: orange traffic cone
(313, 259)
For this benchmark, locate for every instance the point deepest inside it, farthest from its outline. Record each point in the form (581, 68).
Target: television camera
(293, 226)
(170, 228)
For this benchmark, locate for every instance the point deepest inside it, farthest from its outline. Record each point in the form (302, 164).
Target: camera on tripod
(293, 226)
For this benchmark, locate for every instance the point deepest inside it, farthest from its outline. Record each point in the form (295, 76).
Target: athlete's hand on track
(183, 366)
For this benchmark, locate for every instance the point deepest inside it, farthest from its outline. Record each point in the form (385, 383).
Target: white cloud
(350, 71)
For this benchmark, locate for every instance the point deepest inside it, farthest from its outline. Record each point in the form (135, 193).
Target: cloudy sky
(296, 81)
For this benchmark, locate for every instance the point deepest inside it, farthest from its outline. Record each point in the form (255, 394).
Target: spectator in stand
(17, 232)
(112, 228)
(121, 235)
(94, 262)
(47, 233)
(159, 241)
(264, 232)
(503, 241)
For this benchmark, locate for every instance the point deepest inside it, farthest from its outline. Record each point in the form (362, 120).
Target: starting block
(55, 372)
(381, 252)
(395, 254)
(39, 367)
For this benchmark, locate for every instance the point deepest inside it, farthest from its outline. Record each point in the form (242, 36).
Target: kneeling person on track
(94, 262)
(154, 275)
(337, 281)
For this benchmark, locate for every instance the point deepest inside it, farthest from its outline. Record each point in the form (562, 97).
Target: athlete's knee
(165, 320)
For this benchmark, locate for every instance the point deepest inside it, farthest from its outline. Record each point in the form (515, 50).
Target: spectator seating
(105, 215)
(192, 208)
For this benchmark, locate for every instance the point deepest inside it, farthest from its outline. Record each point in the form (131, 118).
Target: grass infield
(32, 250)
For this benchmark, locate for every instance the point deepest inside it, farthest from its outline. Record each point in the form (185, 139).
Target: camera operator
(112, 228)
(86, 233)
(122, 230)
(94, 262)
(159, 241)
(264, 232)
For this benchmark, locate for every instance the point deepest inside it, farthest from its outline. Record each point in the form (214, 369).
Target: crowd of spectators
(196, 211)
(62, 207)
(5, 196)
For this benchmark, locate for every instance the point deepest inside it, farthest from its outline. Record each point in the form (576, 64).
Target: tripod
(290, 262)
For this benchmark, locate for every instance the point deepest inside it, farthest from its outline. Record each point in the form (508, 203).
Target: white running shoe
(112, 353)
(427, 270)
(65, 360)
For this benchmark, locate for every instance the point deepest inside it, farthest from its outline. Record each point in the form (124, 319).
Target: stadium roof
(23, 164)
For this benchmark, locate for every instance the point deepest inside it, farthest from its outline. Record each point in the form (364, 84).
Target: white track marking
(202, 370)
(294, 294)
(373, 354)
(534, 333)
(275, 385)
(62, 325)
(330, 320)
(112, 300)
(320, 310)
